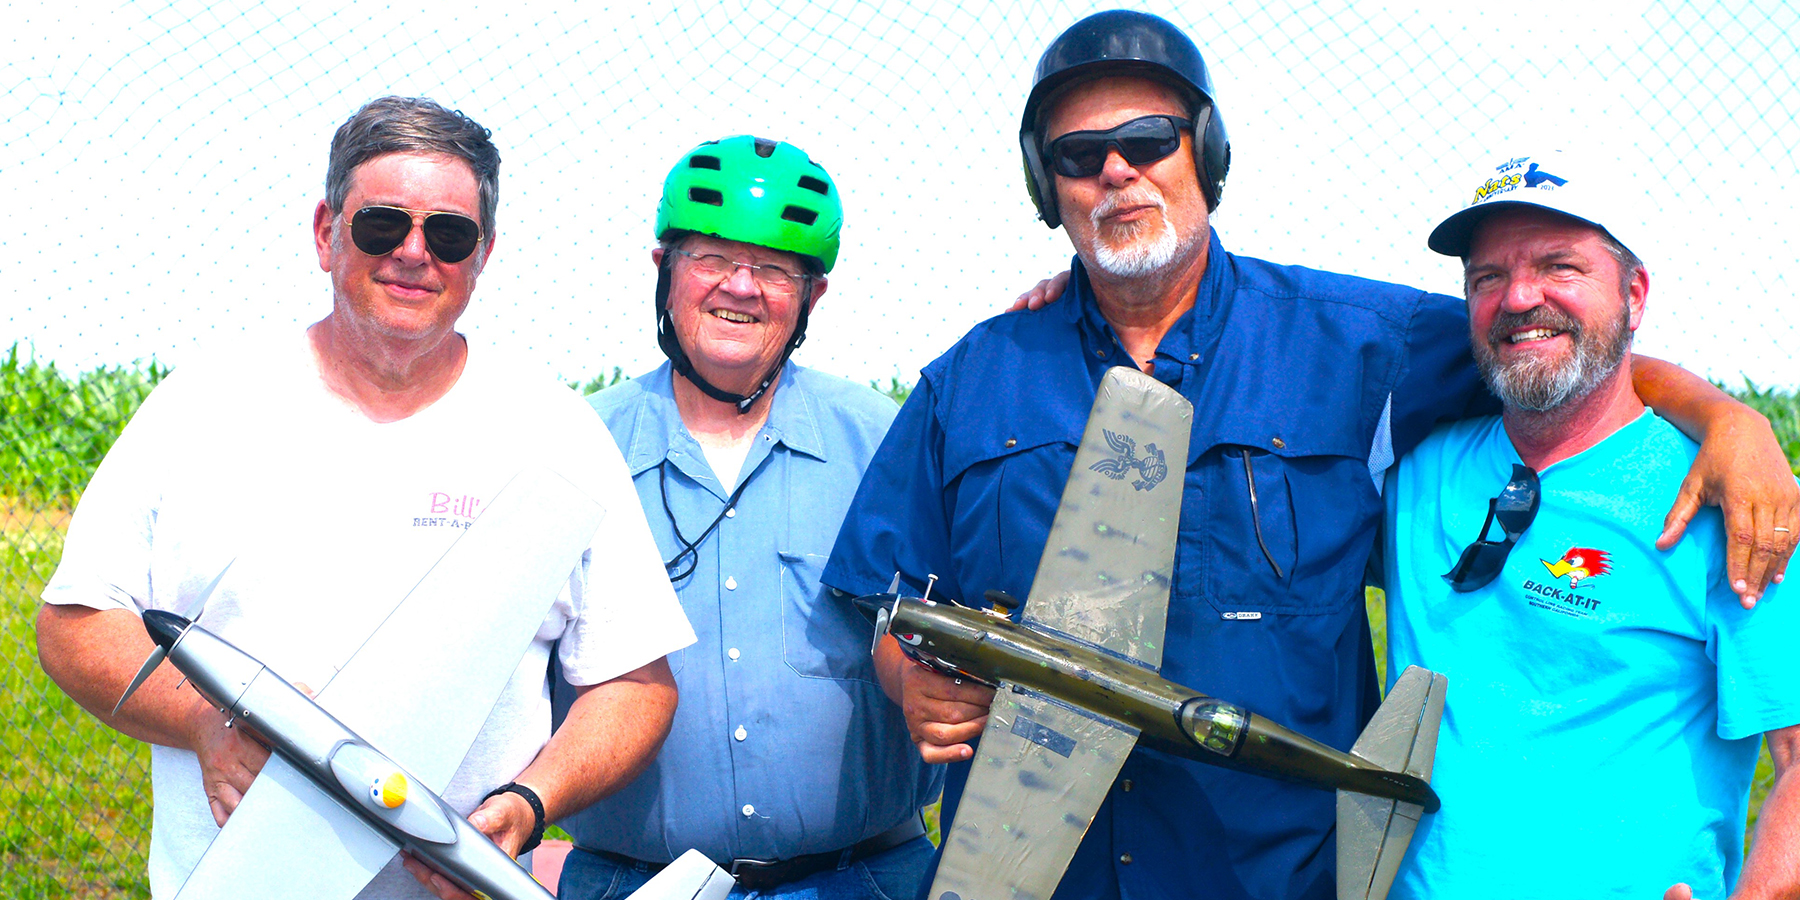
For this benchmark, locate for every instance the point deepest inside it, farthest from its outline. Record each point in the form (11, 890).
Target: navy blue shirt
(1309, 380)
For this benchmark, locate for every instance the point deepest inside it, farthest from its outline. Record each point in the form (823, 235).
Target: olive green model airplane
(1077, 685)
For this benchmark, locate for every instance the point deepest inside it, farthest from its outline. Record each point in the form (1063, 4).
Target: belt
(761, 875)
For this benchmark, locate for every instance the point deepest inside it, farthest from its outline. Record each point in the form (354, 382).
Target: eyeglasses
(771, 278)
(377, 230)
(1140, 141)
(1514, 509)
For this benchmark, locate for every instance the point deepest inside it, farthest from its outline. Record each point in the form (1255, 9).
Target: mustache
(1537, 317)
(1115, 202)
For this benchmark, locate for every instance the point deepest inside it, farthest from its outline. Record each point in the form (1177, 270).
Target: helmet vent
(765, 148)
(807, 182)
(707, 196)
(703, 162)
(800, 214)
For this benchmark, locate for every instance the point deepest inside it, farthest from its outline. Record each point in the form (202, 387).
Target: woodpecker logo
(1153, 467)
(1580, 564)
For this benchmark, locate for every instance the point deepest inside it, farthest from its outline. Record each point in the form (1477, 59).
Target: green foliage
(55, 428)
(600, 382)
(895, 388)
(1783, 410)
(74, 794)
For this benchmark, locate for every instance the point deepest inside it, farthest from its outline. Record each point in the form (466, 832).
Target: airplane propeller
(164, 628)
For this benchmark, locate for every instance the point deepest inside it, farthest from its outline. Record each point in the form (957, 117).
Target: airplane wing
(1372, 832)
(447, 651)
(690, 877)
(289, 839)
(1104, 576)
(1041, 772)
(448, 648)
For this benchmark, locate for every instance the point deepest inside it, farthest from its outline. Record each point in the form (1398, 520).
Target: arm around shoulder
(1740, 469)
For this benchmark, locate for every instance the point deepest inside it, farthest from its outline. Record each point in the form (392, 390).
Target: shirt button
(1124, 858)
(1100, 353)
(731, 513)
(740, 733)
(1193, 356)
(1279, 443)
(1126, 785)
(749, 810)
(1012, 442)
(733, 653)
(730, 583)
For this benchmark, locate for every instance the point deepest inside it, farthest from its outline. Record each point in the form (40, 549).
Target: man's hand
(229, 761)
(506, 819)
(1679, 892)
(943, 714)
(1044, 294)
(1741, 469)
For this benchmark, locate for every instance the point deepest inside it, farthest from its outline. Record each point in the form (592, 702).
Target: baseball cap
(1560, 182)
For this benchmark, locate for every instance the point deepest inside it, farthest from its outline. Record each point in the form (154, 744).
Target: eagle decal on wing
(1152, 467)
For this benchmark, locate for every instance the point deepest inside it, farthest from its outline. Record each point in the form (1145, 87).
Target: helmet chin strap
(671, 345)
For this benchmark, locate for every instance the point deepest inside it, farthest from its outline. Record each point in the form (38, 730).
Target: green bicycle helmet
(756, 191)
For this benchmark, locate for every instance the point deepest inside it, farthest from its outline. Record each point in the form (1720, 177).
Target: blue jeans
(890, 875)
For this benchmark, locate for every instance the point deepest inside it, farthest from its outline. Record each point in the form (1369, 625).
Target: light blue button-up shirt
(783, 743)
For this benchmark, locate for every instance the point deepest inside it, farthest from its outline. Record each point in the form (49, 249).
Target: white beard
(1136, 258)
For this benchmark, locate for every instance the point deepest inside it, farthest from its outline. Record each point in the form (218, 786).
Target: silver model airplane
(1076, 684)
(351, 776)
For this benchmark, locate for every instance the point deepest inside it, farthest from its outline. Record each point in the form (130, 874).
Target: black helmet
(1123, 42)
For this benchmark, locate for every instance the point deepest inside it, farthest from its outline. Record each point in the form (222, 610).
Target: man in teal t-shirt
(1606, 698)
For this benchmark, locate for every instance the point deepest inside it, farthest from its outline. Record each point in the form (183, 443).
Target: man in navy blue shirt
(1304, 384)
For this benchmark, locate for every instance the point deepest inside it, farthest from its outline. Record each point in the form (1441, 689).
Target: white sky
(161, 162)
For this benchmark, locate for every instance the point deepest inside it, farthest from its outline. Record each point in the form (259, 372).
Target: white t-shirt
(327, 520)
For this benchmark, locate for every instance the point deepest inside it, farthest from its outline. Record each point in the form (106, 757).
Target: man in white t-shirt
(335, 470)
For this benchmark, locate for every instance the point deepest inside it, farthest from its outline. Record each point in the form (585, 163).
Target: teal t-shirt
(1606, 699)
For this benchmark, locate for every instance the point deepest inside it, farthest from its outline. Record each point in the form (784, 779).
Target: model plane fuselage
(972, 643)
(363, 779)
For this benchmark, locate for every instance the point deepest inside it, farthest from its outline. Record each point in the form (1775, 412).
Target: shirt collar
(1192, 335)
(657, 428)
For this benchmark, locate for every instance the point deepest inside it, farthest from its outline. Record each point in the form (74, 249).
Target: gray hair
(413, 125)
(1629, 264)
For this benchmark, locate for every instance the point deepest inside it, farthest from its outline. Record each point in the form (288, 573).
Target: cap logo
(1508, 179)
(1535, 176)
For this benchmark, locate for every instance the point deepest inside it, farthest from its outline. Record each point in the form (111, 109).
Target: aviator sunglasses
(1140, 141)
(1514, 509)
(377, 230)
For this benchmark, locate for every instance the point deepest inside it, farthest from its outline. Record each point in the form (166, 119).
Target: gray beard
(1540, 385)
(1139, 258)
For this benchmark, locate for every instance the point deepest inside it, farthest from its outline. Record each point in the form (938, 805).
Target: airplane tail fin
(690, 877)
(1373, 832)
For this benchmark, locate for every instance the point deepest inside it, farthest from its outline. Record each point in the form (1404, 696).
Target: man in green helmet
(785, 761)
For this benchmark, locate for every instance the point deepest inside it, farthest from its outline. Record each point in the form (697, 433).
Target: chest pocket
(823, 635)
(1281, 534)
(1002, 507)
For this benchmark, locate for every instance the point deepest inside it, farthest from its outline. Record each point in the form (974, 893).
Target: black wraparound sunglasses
(1514, 509)
(451, 237)
(1141, 141)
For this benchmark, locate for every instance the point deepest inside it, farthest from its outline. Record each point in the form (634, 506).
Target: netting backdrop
(161, 162)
